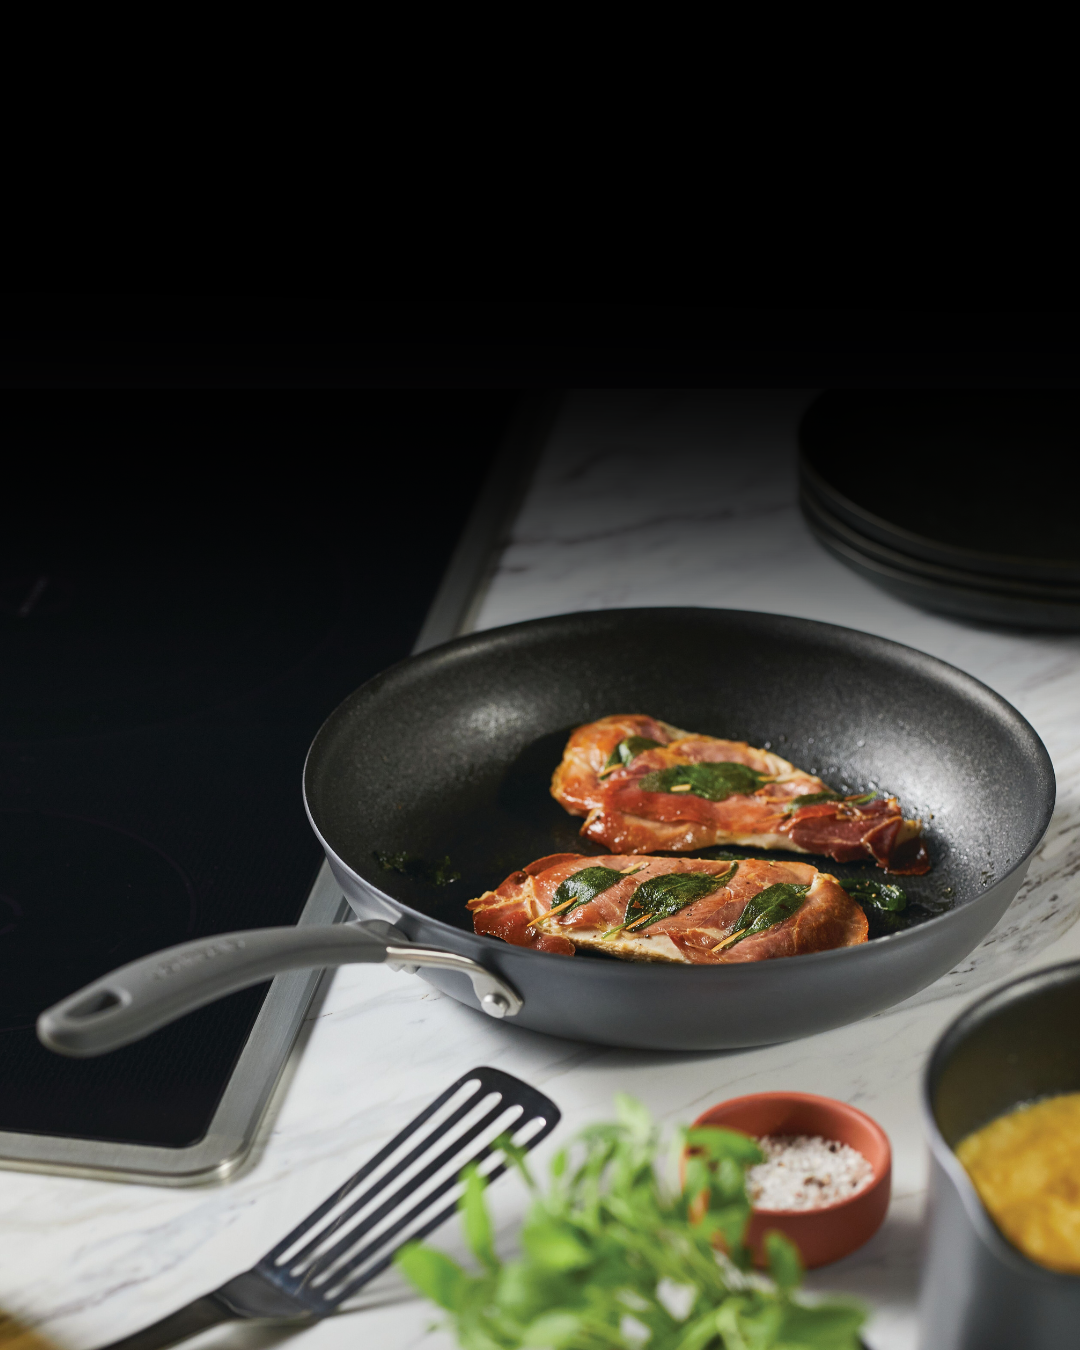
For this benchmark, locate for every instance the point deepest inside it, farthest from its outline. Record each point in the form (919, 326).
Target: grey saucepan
(449, 755)
(1015, 1045)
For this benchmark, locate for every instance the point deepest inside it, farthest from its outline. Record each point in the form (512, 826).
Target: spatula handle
(204, 1313)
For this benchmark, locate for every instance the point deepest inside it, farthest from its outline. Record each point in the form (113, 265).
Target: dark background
(190, 581)
(343, 340)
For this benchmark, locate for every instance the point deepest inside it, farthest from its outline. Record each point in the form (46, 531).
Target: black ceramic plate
(946, 590)
(968, 480)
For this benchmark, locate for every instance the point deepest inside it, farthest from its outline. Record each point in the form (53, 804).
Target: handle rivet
(495, 1005)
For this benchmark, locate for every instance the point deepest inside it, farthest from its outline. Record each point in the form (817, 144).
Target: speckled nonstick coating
(451, 752)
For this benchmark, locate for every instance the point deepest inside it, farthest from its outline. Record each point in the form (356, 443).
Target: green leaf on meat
(714, 782)
(586, 885)
(879, 894)
(660, 897)
(627, 750)
(812, 799)
(766, 909)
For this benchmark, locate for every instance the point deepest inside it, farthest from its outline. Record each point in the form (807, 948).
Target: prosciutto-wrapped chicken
(644, 786)
(686, 910)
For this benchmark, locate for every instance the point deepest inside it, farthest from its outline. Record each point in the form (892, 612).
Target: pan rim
(970, 684)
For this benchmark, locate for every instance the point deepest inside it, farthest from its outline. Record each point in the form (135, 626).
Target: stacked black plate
(961, 502)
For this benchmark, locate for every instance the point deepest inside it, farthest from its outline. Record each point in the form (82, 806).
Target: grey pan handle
(136, 999)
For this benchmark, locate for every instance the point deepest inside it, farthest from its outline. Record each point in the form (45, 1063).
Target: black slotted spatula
(402, 1194)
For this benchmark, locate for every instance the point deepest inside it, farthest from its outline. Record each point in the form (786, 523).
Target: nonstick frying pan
(449, 755)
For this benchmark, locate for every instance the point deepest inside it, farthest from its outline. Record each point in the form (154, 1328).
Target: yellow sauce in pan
(1026, 1168)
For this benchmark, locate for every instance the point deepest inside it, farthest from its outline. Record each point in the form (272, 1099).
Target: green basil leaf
(626, 750)
(714, 782)
(714, 1142)
(555, 1245)
(879, 894)
(605, 1232)
(477, 1220)
(586, 885)
(822, 1327)
(785, 1264)
(659, 897)
(435, 1275)
(552, 1331)
(768, 908)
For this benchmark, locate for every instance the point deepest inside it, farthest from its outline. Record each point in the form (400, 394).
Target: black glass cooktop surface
(189, 583)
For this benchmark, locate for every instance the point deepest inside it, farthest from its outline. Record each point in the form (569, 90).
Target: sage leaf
(879, 894)
(660, 897)
(766, 909)
(627, 749)
(586, 885)
(812, 799)
(440, 873)
(393, 862)
(714, 782)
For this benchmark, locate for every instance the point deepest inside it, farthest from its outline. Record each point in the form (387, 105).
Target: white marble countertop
(640, 499)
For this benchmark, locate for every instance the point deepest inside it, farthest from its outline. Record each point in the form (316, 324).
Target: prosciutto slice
(634, 780)
(528, 911)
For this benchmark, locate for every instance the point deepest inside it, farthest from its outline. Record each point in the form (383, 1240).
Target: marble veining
(640, 499)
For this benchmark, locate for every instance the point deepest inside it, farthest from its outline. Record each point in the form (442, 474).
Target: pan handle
(131, 1002)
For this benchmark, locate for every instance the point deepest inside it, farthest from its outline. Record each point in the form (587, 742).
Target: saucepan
(429, 785)
(1016, 1045)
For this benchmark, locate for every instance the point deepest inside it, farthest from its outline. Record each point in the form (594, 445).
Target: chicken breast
(686, 910)
(645, 786)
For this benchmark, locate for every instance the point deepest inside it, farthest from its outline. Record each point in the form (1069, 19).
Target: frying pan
(449, 755)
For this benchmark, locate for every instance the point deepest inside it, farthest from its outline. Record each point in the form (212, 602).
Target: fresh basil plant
(611, 1257)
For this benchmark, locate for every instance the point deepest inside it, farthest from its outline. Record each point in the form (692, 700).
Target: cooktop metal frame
(232, 1131)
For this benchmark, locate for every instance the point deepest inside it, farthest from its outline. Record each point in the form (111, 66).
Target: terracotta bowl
(826, 1234)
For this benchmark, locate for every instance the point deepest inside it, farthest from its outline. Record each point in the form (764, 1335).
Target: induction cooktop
(189, 583)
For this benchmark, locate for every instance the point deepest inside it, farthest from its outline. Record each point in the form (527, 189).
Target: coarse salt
(806, 1172)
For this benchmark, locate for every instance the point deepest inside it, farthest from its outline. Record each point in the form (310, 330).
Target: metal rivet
(495, 1005)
